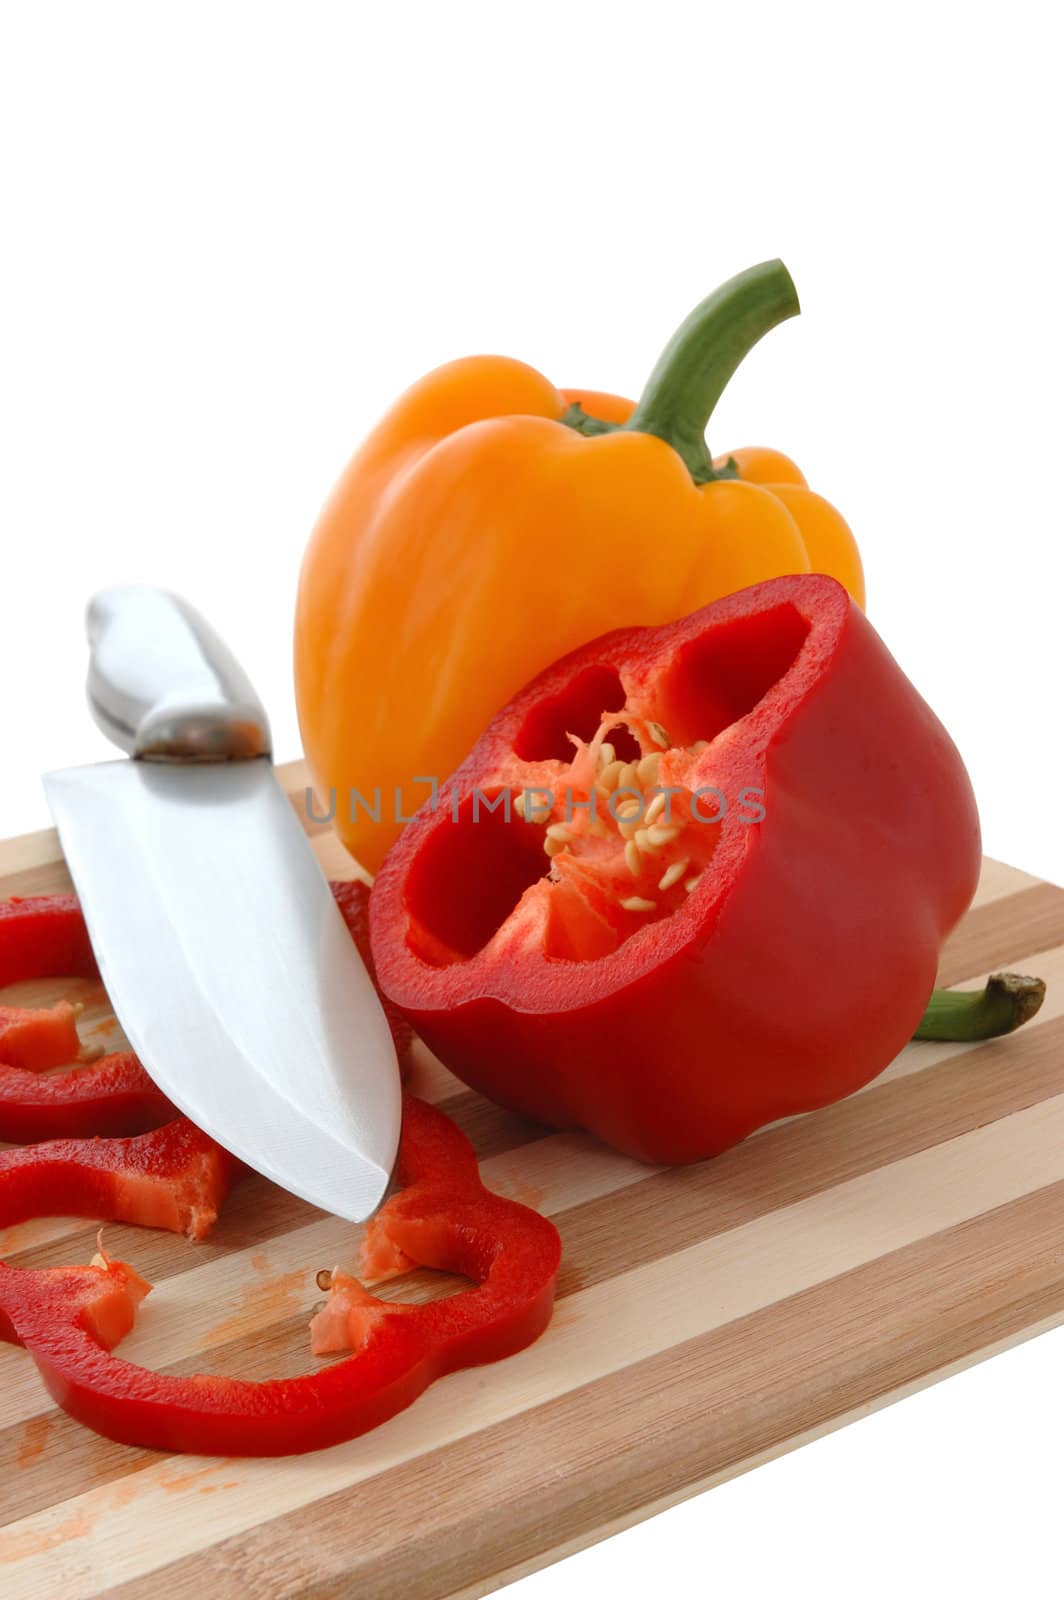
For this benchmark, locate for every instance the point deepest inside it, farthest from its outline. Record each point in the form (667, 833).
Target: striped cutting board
(708, 1319)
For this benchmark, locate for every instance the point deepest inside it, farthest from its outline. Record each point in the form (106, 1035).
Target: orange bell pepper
(491, 523)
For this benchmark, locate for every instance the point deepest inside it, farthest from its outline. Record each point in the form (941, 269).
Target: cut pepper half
(693, 878)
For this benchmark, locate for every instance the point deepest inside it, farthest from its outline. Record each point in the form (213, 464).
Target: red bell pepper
(749, 922)
(70, 1318)
(353, 901)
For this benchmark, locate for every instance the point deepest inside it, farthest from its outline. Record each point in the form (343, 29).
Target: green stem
(698, 361)
(1005, 1003)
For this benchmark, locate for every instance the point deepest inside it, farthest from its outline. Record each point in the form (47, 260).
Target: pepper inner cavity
(623, 844)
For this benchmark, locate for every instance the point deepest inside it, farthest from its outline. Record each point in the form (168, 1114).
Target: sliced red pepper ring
(107, 1097)
(44, 937)
(174, 1177)
(69, 1319)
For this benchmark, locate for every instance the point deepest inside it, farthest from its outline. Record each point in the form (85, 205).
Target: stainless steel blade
(231, 970)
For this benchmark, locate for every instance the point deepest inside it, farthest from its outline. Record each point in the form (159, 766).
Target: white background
(231, 234)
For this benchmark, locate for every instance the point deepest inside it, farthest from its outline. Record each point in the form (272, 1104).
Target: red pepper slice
(69, 1318)
(673, 979)
(111, 1096)
(44, 937)
(174, 1177)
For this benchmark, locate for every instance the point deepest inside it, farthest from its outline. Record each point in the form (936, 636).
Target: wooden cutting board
(707, 1319)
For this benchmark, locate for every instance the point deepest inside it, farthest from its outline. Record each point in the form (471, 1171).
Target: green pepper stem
(701, 357)
(1004, 1004)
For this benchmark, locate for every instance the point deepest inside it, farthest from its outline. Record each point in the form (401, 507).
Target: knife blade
(224, 955)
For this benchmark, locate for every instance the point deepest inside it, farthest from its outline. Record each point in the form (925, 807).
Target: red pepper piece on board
(174, 1177)
(104, 1295)
(443, 1218)
(44, 937)
(107, 1097)
(750, 924)
(34, 1039)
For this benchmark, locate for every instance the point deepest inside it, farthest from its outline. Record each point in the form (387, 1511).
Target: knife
(224, 955)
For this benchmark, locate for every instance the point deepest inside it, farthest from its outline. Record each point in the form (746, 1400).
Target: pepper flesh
(794, 957)
(70, 1318)
(492, 522)
(35, 1039)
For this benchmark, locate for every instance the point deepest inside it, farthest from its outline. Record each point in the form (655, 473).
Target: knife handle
(162, 685)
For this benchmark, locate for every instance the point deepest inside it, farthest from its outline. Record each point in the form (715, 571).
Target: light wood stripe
(596, 1332)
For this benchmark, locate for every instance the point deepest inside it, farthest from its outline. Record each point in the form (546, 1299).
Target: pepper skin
(674, 996)
(353, 901)
(492, 522)
(70, 1318)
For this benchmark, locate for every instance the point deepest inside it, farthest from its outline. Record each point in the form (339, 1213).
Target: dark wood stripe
(513, 1493)
(1004, 933)
(663, 1213)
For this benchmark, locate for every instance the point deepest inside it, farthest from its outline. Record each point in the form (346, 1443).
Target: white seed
(674, 873)
(636, 902)
(561, 831)
(648, 770)
(628, 809)
(629, 778)
(655, 808)
(609, 777)
(699, 746)
(519, 805)
(692, 882)
(554, 846)
(658, 734)
(633, 858)
(660, 834)
(607, 755)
